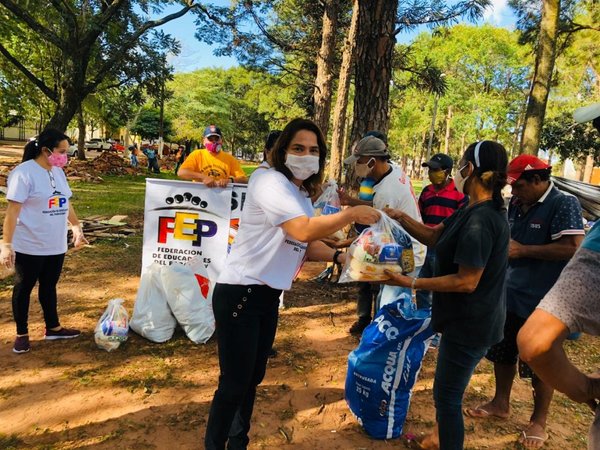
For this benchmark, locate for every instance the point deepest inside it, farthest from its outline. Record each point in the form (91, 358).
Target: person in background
(152, 156)
(546, 229)
(180, 157)
(269, 144)
(277, 232)
(34, 238)
(437, 202)
(211, 165)
(392, 189)
(133, 155)
(468, 287)
(571, 306)
(367, 292)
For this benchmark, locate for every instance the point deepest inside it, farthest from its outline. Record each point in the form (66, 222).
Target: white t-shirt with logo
(44, 197)
(395, 190)
(262, 252)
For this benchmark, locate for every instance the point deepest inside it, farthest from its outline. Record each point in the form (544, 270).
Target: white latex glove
(78, 237)
(7, 255)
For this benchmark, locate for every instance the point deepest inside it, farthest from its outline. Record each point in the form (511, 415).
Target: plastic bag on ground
(384, 368)
(113, 326)
(152, 317)
(329, 203)
(383, 246)
(189, 294)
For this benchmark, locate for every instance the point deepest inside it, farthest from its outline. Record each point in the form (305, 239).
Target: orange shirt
(219, 166)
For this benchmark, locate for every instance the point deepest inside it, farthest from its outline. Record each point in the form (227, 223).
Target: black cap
(439, 161)
(212, 130)
(378, 134)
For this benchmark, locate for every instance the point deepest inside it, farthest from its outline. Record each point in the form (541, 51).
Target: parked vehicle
(98, 144)
(117, 146)
(73, 151)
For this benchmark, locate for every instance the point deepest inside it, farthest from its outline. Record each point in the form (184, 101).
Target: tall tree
(542, 77)
(90, 42)
(375, 47)
(294, 40)
(338, 134)
(379, 23)
(574, 17)
(325, 66)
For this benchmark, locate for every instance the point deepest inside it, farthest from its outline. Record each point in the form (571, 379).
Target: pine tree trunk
(542, 76)
(341, 102)
(81, 135)
(375, 46)
(448, 128)
(325, 61)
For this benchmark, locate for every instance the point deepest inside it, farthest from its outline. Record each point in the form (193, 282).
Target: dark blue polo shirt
(555, 215)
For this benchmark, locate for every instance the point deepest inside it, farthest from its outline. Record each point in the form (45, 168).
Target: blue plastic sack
(384, 368)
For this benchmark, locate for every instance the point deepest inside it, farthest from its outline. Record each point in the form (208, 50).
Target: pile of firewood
(104, 227)
(106, 164)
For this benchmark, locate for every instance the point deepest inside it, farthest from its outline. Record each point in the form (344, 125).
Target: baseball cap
(212, 130)
(378, 134)
(587, 113)
(439, 161)
(523, 163)
(368, 146)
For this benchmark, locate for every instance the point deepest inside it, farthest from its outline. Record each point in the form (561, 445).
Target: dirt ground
(71, 395)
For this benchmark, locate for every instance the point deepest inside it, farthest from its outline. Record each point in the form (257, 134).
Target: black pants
(367, 293)
(246, 318)
(30, 269)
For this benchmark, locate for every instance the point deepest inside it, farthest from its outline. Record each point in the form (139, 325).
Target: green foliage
(244, 104)
(486, 78)
(147, 124)
(571, 140)
(66, 51)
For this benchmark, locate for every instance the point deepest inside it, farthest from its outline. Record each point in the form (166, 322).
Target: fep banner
(185, 220)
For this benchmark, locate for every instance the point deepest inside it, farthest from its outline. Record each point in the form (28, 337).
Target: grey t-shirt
(575, 298)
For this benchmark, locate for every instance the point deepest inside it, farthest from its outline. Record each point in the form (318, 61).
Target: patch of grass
(249, 168)
(10, 442)
(117, 195)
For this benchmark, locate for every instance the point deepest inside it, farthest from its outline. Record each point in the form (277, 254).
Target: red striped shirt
(436, 206)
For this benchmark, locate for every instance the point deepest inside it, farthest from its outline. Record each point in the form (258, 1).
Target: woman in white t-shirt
(277, 232)
(35, 232)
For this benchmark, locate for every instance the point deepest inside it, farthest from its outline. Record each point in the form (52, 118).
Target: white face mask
(363, 170)
(459, 181)
(302, 167)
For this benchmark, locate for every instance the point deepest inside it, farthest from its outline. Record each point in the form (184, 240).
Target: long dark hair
(312, 183)
(49, 138)
(491, 167)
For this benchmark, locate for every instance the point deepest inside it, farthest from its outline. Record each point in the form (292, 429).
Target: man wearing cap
(211, 165)
(437, 202)
(546, 229)
(392, 189)
(571, 306)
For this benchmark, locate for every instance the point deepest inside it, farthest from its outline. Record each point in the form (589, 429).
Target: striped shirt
(436, 206)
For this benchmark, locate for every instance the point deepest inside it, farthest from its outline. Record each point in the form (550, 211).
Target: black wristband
(335, 255)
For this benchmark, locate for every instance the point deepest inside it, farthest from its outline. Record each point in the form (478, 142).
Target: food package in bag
(113, 326)
(189, 294)
(382, 246)
(152, 317)
(329, 203)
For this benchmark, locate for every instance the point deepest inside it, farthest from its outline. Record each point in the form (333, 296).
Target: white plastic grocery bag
(383, 246)
(152, 317)
(189, 294)
(113, 326)
(329, 203)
